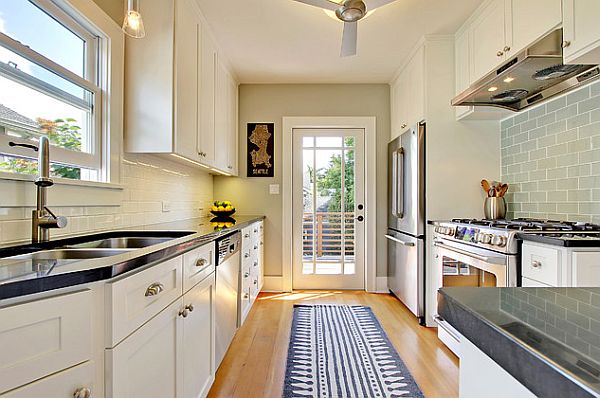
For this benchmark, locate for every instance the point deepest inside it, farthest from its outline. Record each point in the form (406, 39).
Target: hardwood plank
(255, 363)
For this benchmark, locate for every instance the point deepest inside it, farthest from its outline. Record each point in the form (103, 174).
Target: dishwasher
(227, 299)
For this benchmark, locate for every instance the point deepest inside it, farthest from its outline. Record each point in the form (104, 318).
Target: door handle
(403, 243)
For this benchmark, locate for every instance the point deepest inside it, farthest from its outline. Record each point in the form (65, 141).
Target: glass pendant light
(133, 25)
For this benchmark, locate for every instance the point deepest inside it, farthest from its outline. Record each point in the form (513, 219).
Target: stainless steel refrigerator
(406, 219)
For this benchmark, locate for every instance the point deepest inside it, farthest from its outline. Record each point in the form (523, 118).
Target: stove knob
(437, 229)
(499, 241)
(485, 238)
(451, 231)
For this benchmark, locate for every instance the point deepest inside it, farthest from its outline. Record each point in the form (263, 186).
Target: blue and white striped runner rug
(341, 351)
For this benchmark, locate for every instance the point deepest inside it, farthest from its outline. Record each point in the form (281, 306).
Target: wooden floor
(255, 363)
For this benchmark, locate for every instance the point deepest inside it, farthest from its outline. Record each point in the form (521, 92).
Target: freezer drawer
(406, 274)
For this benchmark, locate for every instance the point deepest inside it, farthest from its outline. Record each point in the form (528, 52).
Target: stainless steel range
(486, 253)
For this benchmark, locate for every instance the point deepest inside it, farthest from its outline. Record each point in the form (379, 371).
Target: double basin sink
(118, 243)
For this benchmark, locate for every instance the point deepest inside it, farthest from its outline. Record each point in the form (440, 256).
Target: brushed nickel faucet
(42, 218)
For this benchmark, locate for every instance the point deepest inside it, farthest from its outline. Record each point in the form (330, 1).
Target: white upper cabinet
(581, 31)
(531, 20)
(408, 94)
(463, 69)
(488, 40)
(225, 119)
(173, 103)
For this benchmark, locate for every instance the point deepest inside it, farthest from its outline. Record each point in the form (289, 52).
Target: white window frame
(103, 76)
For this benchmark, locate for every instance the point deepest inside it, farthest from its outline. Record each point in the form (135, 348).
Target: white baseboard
(273, 284)
(382, 286)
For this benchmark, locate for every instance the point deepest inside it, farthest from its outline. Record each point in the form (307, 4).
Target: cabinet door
(188, 38)
(232, 164)
(530, 20)
(488, 40)
(206, 132)
(585, 269)
(148, 362)
(462, 69)
(221, 115)
(581, 31)
(199, 339)
(64, 384)
(416, 88)
(401, 101)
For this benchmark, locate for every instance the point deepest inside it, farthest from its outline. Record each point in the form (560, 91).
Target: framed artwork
(260, 146)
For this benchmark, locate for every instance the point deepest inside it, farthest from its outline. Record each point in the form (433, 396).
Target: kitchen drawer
(541, 264)
(247, 235)
(135, 299)
(65, 384)
(245, 304)
(254, 288)
(586, 269)
(197, 265)
(42, 337)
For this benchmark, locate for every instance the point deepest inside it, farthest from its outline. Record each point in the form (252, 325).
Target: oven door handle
(491, 260)
(403, 243)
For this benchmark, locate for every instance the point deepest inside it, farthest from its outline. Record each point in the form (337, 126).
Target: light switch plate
(274, 189)
(166, 206)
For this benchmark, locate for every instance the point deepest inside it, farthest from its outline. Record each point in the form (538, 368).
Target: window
(49, 85)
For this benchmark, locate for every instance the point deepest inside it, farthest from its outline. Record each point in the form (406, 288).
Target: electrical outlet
(274, 189)
(166, 206)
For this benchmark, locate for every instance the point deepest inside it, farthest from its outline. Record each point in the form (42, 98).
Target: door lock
(360, 218)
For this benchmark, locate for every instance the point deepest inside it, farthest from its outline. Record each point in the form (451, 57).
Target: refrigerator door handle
(400, 183)
(390, 237)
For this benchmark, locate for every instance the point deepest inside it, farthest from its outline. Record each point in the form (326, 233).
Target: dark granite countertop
(546, 338)
(19, 277)
(564, 239)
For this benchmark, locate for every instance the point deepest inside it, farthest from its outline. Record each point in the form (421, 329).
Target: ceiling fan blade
(349, 39)
(326, 4)
(373, 4)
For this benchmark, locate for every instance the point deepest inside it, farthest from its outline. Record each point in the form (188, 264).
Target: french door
(328, 209)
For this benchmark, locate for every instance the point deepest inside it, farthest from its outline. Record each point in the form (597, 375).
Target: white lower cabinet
(77, 382)
(252, 271)
(480, 376)
(170, 356)
(557, 266)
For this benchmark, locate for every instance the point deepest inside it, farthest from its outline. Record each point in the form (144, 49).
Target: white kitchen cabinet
(252, 266)
(488, 49)
(463, 69)
(408, 94)
(581, 32)
(65, 384)
(182, 110)
(558, 266)
(480, 376)
(225, 119)
(530, 20)
(199, 339)
(206, 132)
(45, 336)
(148, 362)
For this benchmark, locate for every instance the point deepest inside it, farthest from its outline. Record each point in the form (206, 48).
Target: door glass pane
(308, 142)
(457, 273)
(329, 142)
(308, 217)
(329, 206)
(349, 212)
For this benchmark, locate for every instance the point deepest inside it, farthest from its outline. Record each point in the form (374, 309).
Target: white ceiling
(283, 41)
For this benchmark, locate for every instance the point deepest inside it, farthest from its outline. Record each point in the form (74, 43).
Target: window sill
(19, 191)
(61, 181)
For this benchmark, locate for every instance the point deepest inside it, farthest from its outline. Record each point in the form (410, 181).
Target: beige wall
(114, 9)
(270, 103)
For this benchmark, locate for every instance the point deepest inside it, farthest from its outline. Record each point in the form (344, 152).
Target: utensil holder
(494, 208)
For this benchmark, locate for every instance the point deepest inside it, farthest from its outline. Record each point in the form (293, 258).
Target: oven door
(464, 265)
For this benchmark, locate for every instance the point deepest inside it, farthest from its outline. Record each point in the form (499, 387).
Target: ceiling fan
(349, 12)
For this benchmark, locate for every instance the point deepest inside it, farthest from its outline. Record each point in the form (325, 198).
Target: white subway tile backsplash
(148, 181)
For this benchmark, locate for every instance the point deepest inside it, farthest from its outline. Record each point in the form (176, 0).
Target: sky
(24, 22)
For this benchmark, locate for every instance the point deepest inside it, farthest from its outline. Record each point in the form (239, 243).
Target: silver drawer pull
(246, 235)
(184, 313)
(246, 255)
(536, 264)
(256, 263)
(256, 282)
(256, 230)
(246, 295)
(190, 307)
(255, 247)
(246, 274)
(202, 262)
(154, 289)
(82, 392)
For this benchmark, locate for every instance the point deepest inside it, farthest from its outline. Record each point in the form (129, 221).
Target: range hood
(534, 75)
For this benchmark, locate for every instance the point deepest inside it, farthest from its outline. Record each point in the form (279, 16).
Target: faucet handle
(55, 221)
(30, 146)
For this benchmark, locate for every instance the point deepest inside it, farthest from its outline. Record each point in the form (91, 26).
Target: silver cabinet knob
(190, 307)
(506, 49)
(403, 125)
(154, 289)
(536, 264)
(256, 263)
(82, 392)
(246, 255)
(246, 235)
(202, 262)
(255, 247)
(500, 53)
(246, 295)
(565, 44)
(246, 274)
(256, 281)
(184, 313)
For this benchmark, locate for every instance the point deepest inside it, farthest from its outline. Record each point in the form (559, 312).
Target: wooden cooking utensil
(486, 186)
(503, 189)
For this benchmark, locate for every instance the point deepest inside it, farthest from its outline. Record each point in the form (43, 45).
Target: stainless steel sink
(69, 254)
(123, 243)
